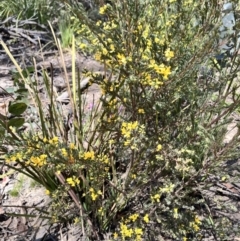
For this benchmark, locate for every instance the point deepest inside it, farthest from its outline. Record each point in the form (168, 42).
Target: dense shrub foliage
(137, 166)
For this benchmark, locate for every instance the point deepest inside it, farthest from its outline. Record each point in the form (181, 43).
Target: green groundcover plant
(39, 10)
(136, 167)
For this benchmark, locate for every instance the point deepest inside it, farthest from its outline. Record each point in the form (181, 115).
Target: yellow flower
(13, 158)
(133, 176)
(140, 27)
(175, 213)
(13, 129)
(146, 32)
(43, 156)
(138, 238)
(141, 111)
(72, 146)
(72, 181)
(146, 218)
(125, 231)
(98, 56)
(98, 23)
(156, 197)
(104, 159)
(133, 217)
(159, 147)
(187, 2)
(126, 133)
(47, 192)
(134, 125)
(169, 54)
(138, 231)
(82, 46)
(111, 141)
(94, 196)
(127, 128)
(165, 71)
(122, 58)
(127, 143)
(88, 155)
(103, 9)
(7, 160)
(195, 227)
(104, 51)
(113, 25)
(197, 220)
(112, 48)
(115, 235)
(54, 140)
(160, 69)
(38, 161)
(159, 41)
(64, 152)
(100, 210)
(76, 220)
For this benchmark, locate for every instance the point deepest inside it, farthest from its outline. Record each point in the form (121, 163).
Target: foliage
(139, 164)
(66, 31)
(40, 10)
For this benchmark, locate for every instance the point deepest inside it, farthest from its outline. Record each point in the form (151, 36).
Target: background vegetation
(138, 166)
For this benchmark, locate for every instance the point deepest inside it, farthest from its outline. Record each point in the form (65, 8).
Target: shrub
(141, 167)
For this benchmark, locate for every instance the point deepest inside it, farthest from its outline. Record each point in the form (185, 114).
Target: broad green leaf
(17, 108)
(16, 122)
(11, 90)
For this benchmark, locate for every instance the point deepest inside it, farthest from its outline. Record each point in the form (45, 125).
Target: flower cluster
(165, 71)
(89, 155)
(129, 229)
(38, 160)
(169, 54)
(115, 52)
(103, 9)
(94, 194)
(128, 128)
(129, 131)
(73, 181)
(42, 151)
(196, 224)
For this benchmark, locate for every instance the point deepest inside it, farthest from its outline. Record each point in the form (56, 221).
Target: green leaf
(11, 90)
(25, 72)
(17, 108)
(21, 93)
(16, 122)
